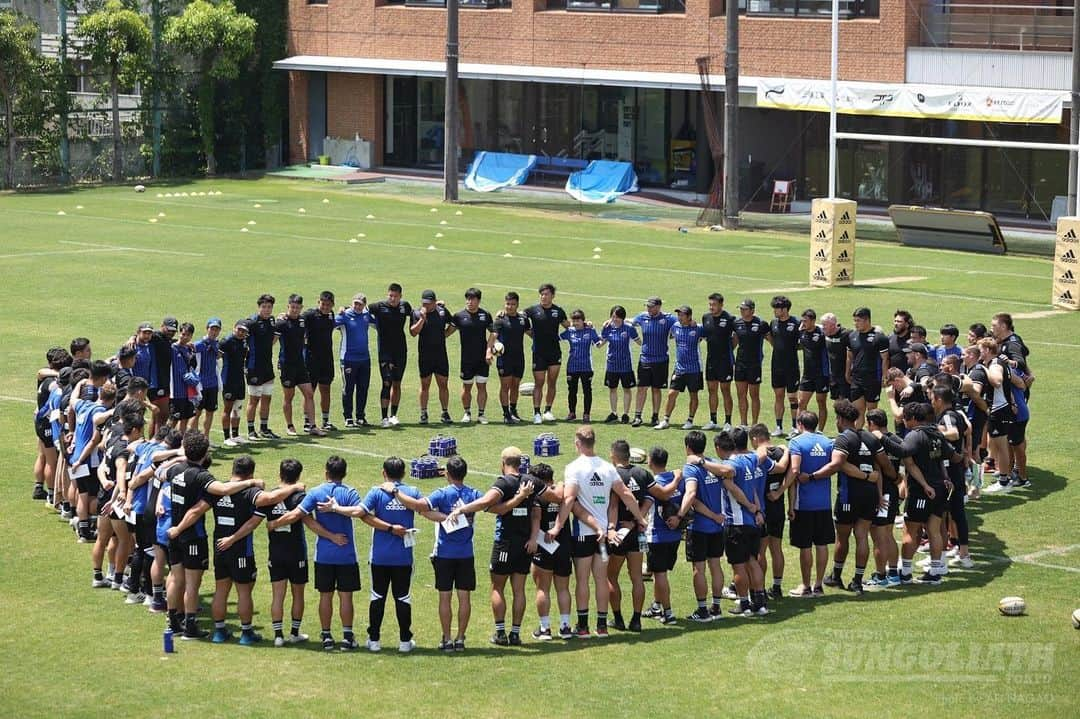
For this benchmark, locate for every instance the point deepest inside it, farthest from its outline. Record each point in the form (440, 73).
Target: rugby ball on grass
(140, 188)
(637, 455)
(1076, 618)
(525, 389)
(1012, 606)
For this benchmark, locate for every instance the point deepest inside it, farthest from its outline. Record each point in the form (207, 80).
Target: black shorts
(43, 430)
(868, 389)
(473, 368)
(89, 484)
(145, 531)
(894, 507)
(701, 547)
(652, 374)
(320, 369)
(750, 375)
(786, 376)
(392, 370)
(978, 426)
(511, 366)
(613, 379)
(173, 555)
(919, 507)
(775, 517)
(337, 577)
(719, 371)
(235, 566)
(285, 568)
(193, 554)
(103, 497)
(209, 401)
(234, 391)
(453, 574)
(690, 382)
(561, 564)
(819, 384)
(543, 359)
(585, 546)
(181, 409)
(294, 375)
(741, 543)
(632, 543)
(435, 363)
(259, 376)
(812, 528)
(1003, 423)
(158, 393)
(509, 558)
(839, 389)
(662, 556)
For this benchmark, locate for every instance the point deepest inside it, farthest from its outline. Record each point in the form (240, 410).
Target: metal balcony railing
(997, 25)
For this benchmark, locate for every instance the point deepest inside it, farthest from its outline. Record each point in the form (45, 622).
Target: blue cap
(213, 322)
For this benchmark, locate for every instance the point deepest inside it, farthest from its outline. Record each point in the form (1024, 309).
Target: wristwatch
(394, 491)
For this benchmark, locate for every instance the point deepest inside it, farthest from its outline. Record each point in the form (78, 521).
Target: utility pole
(65, 151)
(155, 95)
(731, 117)
(450, 114)
(1074, 111)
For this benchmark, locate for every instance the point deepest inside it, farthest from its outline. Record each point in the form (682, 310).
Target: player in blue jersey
(207, 351)
(336, 568)
(810, 498)
(183, 379)
(687, 375)
(353, 323)
(654, 326)
(579, 368)
(949, 334)
(617, 334)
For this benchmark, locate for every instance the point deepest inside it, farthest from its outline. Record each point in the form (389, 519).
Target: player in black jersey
(772, 534)
(717, 326)
(46, 460)
(319, 351)
(899, 390)
(509, 329)
(287, 558)
(473, 323)
(886, 552)
(630, 550)
(956, 428)
(291, 330)
(979, 392)
(816, 364)
(836, 344)
(551, 567)
(900, 338)
(112, 527)
(784, 337)
(867, 362)
(234, 357)
(260, 368)
(547, 320)
(390, 316)
(431, 325)
(750, 332)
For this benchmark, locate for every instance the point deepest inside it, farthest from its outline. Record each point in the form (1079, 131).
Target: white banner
(927, 101)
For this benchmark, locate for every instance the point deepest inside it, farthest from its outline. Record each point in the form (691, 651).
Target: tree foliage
(26, 78)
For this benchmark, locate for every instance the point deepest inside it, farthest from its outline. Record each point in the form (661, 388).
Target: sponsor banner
(919, 101)
(1066, 282)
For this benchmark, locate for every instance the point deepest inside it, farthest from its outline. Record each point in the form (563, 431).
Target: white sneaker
(924, 563)
(406, 647)
(688, 424)
(394, 421)
(965, 562)
(279, 641)
(230, 442)
(385, 423)
(482, 419)
(538, 418)
(549, 416)
(290, 431)
(726, 593)
(101, 584)
(710, 425)
(777, 432)
(373, 646)
(662, 424)
(149, 601)
(466, 418)
(137, 598)
(296, 638)
(954, 552)
(240, 439)
(726, 427)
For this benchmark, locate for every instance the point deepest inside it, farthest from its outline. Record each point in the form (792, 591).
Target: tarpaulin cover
(602, 181)
(491, 171)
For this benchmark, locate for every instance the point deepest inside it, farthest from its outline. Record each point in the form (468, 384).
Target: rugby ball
(1012, 606)
(637, 455)
(497, 349)
(1076, 618)
(526, 389)
(140, 188)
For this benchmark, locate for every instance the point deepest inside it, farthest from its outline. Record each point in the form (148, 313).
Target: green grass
(99, 270)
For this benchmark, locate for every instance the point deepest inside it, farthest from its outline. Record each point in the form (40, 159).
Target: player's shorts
(561, 564)
(293, 570)
(585, 546)
(453, 574)
(613, 379)
(543, 359)
(294, 375)
(775, 518)
(234, 391)
(435, 363)
(43, 430)
(509, 558)
(748, 374)
(265, 389)
(209, 401)
(320, 369)
(839, 389)
(475, 370)
(919, 507)
(652, 374)
(89, 484)
(393, 369)
(819, 384)
(181, 409)
(337, 577)
(511, 366)
(894, 506)
(193, 554)
(701, 547)
(861, 503)
(812, 528)
(690, 382)
(1003, 423)
(741, 543)
(868, 389)
(662, 556)
(237, 567)
(156, 394)
(722, 371)
(785, 376)
(630, 544)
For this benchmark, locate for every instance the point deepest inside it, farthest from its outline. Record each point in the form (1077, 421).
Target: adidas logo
(820, 274)
(1067, 278)
(1068, 257)
(845, 219)
(821, 255)
(1065, 296)
(822, 216)
(821, 236)
(843, 257)
(844, 237)
(1070, 236)
(817, 451)
(843, 275)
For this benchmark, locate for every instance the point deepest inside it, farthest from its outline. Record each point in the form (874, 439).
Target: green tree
(117, 41)
(218, 39)
(24, 77)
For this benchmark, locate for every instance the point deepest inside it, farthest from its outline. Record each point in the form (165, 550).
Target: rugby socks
(716, 601)
(601, 620)
(393, 410)
(219, 625)
(837, 570)
(701, 604)
(278, 629)
(513, 409)
(245, 627)
(515, 629)
(583, 618)
(565, 619)
(98, 576)
(859, 571)
(937, 567)
(251, 428)
(118, 578)
(296, 626)
(779, 422)
(727, 419)
(636, 617)
(617, 616)
(545, 622)
(776, 581)
(326, 418)
(506, 411)
(384, 411)
(794, 407)
(347, 632)
(500, 627)
(905, 567)
(712, 417)
(159, 593)
(264, 424)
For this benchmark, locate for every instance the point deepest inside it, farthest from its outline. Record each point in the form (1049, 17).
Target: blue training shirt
(388, 549)
(815, 451)
(660, 531)
(687, 338)
(326, 552)
(618, 349)
(145, 365)
(581, 344)
(354, 335)
(459, 544)
(654, 336)
(206, 359)
(85, 411)
(709, 491)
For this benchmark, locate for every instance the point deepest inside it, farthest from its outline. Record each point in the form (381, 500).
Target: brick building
(617, 79)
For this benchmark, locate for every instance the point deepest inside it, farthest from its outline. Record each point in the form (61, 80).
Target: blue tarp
(491, 171)
(602, 181)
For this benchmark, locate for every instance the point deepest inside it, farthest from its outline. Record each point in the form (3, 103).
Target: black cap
(146, 327)
(653, 301)
(125, 352)
(170, 323)
(428, 295)
(241, 324)
(684, 310)
(747, 304)
(917, 348)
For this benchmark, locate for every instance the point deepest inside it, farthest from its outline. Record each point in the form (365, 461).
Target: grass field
(114, 258)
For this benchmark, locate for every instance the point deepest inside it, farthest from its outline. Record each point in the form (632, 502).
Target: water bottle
(603, 552)
(167, 640)
(642, 542)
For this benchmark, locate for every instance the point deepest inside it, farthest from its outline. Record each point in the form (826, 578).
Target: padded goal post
(832, 243)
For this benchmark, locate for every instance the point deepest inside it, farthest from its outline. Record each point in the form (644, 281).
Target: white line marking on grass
(1051, 344)
(362, 453)
(135, 249)
(1038, 315)
(783, 290)
(24, 400)
(572, 294)
(61, 252)
(935, 293)
(888, 281)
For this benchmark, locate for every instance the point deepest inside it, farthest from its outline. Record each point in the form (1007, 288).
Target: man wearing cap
(815, 364)
(319, 352)
(431, 324)
(750, 332)
(655, 327)
(234, 356)
(784, 369)
(144, 352)
(260, 368)
(687, 375)
(206, 363)
(391, 316)
(717, 326)
(353, 324)
(917, 356)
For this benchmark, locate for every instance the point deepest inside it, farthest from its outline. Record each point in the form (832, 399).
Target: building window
(465, 4)
(318, 2)
(639, 6)
(813, 8)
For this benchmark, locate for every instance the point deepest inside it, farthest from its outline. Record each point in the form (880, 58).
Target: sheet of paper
(452, 526)
(549, 547)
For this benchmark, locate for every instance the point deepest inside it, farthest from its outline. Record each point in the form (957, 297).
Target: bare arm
(190, 518)
(245, 529)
